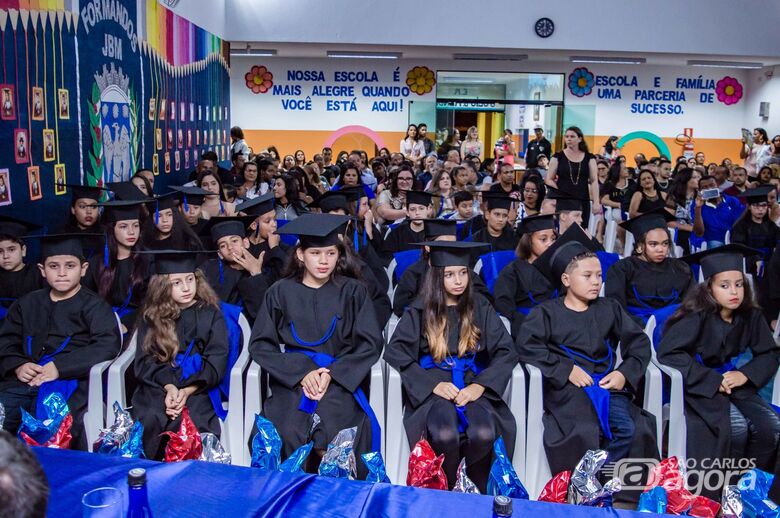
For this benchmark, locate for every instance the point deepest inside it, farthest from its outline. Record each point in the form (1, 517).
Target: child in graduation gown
(262, 238)
(498, 231)
(649, 282)
(165, 229)
(718, 322)
(324, 318)
(455, 358)
(573, 340)
(52, 337)
(182, 351)
(236, 275)
(410, 231)
(17, 278)
(118, 274)
(521, 286)
(411, 280)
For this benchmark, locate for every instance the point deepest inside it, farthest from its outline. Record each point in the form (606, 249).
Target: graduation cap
(554, 261)
(536, 223)
(333, 200)
(162, 202)
(434, 228)
(121, 210)
(127, 191)
(89, 192)
(191, 195)
(219, 227)
(316, 230)
(418, 198)
(64, 244)
(648, 221)
(258, 206)
(564, 202)
(726, 258)
(758, 194)
(451, 253)
(173, 261)
(16, 228)
(497, 200)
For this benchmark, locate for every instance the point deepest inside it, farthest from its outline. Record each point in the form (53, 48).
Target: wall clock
(544, 27)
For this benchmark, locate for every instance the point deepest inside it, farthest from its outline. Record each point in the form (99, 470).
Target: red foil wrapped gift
(60, 440)
(186, 443)
(556, 489)
(425, 468)
(668, 475)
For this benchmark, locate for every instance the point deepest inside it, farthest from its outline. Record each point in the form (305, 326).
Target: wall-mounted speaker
(763, 110)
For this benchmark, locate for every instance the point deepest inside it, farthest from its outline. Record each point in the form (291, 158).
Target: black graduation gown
(85, 317)
(274, 260)
(117, 296)
(769, 297)
(717, 342)
(496, 355)
(656, 283)
(356, 343)
(401, 238)
(236, 287)
(376, 293)
(471, 227)
(571, 426)
(506, 241)
(520, 285)
(411, 283)
(15, 284)
(92, 244)
(763, 236)
(206, 325)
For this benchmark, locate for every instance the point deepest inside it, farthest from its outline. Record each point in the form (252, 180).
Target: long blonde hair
(435, 321)
(160, 314)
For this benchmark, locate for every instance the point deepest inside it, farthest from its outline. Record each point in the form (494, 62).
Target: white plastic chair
(478, 266)
(94, 416)
(231, 428)
(593, 222)
(628, 247)
(254, 404)
(653, 402)
(610, 229)
(397, 458)
(390, 270)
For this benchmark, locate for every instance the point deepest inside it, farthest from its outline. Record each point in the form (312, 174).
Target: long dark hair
(394, 178)
(290, 185)
(206, 172)
(641, 241)
(700, 300)
(608, 147)
(583, 146)
(535, 179)
(524, 249)
(416, 137)
(105, 275)
(678, 190)
(655, 182)
(435, 322)
(182, 236)
(346, 166)
(346, 266)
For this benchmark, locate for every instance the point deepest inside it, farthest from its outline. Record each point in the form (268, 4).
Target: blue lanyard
(328, 334)
(48, 357)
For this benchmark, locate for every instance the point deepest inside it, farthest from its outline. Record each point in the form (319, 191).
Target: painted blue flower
(581, 82)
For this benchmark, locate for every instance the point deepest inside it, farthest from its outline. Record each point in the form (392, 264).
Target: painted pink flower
(259, 79)
(729, 90)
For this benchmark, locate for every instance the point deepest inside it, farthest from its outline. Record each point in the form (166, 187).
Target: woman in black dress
(573, 171)
(648, 197)
(455, 359)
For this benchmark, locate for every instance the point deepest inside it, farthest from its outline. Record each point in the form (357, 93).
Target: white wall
(763, 85)
(208, 14)
(667, 26)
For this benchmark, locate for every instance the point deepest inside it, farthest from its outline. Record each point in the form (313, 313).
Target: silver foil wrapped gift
(339, 460)
(732, 502)
(463, 483)
(213, 451)
(585, 489)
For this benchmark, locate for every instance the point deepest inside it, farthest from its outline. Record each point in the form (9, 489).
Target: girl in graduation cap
(263, 240)
(455, 358)
(649, 281)
(165, 229)
(119, 274)
(182, 351)
(520, 286)
(754, 228)
(573, 340)
(705, 340)
(323, 316)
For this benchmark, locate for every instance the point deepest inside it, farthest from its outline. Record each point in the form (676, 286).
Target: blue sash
(3, 309)
(191, 363)
(722, 369)
(231, 313)
(325, 360)
(645, 310)
(525, 310)
(599, 397)
(458, 367)
(64, 387)
(123, 309)
(492, 264)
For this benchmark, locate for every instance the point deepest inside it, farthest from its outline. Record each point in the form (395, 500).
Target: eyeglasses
(405, 178)
(530, 191)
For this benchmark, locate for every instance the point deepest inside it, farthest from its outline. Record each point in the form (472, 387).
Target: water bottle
(139, 500)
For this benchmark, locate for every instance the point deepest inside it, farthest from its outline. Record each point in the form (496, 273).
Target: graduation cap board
(63, 244)
(497, 201)
(418, 198)
(121, 210)
(434, 228)
(564, 202)
(173, 261)
(451, 253)
(127, 191)
(554, 261)
(648, 221)
(219, 227)
(726, 258)
(16, 228)
(85, 192)
(758, 194)
(191, 195)
(316, 230)
(333, 200)
(258, 206)
(538, 223)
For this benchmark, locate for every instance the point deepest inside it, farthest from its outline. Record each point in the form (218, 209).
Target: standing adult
(422, 132)
(573, 171)
(538, 146)
(237, 142)
(505, 148)
(411, 147)
(757, 152)
(472, 146)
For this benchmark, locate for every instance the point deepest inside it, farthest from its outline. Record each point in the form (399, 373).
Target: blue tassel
(184, 203)
(157, 213)
(105, 252)
(355, 239)
(221, 270)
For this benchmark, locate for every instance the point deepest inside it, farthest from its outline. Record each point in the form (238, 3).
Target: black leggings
(755, 431)
(476, 444)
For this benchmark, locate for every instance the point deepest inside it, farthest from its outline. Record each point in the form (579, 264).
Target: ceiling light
(363, 55)
(608, 60)
(252, 52)
(724, 64)
(490, 57)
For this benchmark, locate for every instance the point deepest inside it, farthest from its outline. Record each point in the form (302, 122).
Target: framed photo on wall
(5, 187)
(59, 179)
(63, 96)
(48, 145)
(158, 139)
(156, 164)
(7, 103)
(34, 182)
(186, 159)
(152, 108)
(162, 109)
(21, 146)
(167, 162)
(38, 103)
(177, 160)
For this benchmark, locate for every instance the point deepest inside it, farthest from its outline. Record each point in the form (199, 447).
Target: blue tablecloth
(195, 489)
